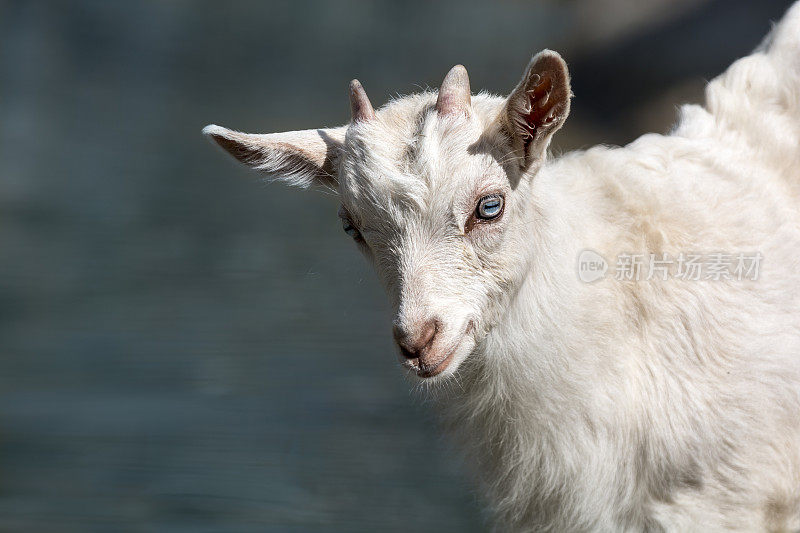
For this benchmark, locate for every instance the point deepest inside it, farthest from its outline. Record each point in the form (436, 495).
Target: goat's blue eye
(350, 229)
(348, 226)
(489, 207)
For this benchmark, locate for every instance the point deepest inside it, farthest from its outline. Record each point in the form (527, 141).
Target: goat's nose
(413, 343)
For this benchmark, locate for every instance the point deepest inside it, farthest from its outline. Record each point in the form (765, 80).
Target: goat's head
(435, 191)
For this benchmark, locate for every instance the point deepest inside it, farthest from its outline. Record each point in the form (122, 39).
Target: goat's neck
(531, 374)
(533, 354)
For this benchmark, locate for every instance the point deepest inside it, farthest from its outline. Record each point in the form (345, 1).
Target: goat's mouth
(426, 370)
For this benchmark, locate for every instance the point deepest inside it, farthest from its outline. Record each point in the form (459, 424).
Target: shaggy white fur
(617, 405)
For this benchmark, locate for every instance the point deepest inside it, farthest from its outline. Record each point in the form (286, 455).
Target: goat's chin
(448, 365)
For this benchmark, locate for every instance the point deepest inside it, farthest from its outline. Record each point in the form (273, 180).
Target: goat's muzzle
(419, 348)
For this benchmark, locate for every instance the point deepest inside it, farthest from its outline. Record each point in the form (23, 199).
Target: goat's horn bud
(454, 94)
(359, 103)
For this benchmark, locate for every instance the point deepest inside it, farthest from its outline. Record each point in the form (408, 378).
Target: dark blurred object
(616, 82)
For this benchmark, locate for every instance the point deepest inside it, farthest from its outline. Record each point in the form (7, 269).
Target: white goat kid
(660, 404)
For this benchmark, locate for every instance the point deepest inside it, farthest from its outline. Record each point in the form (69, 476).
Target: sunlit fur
(611, 406)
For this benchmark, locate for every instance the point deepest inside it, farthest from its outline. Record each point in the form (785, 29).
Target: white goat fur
(616, 405)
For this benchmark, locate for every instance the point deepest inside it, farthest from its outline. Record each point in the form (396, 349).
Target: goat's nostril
(412, 345)
(407, 353)
(428, 332)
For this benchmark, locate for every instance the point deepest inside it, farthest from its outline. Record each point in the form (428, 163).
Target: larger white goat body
(659, 404)
(618, 405)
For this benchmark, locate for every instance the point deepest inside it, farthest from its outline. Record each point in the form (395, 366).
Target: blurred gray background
(183, 348)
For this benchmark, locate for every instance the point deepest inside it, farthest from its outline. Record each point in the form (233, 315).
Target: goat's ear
(537, 107)
(301, 158)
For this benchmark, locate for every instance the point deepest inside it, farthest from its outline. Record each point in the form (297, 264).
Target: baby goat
(642, 400)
